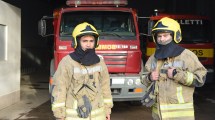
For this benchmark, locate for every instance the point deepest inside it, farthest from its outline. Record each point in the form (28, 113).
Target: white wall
(10, 18)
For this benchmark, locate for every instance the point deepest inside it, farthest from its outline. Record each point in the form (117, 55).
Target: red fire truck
(196, 36)
(119, 41)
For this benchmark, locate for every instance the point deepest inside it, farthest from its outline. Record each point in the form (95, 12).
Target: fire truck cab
(119, 41)
(196, 36)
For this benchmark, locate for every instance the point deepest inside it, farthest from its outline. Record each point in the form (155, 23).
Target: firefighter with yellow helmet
(173, 74)
(81, 82)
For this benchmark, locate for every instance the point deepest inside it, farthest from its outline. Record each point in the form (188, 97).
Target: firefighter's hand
(154, 75)
(170, 72)
(108, 117)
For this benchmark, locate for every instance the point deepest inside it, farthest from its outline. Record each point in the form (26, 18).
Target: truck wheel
(51, 75)
(52, 67)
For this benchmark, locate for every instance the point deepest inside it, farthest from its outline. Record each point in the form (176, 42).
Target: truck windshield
(195, 31)
(110, 25)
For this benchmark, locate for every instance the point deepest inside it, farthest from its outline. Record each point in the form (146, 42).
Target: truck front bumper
(127, 87)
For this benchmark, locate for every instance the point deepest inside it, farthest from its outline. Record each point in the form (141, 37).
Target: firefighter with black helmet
(173, 74)
(81, 81)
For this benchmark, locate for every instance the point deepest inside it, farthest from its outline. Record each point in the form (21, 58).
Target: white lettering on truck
(190, 22)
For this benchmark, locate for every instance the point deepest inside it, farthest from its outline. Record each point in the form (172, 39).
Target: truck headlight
(130, 82)
(138, 82)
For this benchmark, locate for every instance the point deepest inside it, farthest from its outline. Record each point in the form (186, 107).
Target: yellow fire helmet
(84, 29)
(167, 25)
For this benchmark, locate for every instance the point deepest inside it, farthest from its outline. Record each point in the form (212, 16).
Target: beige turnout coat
(175, 96)
(68, 80)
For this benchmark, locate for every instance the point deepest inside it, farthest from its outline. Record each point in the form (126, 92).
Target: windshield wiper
(105, 33)
(67, 34)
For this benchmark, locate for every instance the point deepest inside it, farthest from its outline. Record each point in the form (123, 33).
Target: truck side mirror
(142, 21)
(42, 27)
(45, 27)
(150, 26)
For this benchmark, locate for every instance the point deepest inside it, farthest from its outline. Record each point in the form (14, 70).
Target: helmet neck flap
(86, 58)
(169, 50)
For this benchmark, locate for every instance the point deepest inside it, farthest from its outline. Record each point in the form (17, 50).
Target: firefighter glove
(85, 108)
(149, 98)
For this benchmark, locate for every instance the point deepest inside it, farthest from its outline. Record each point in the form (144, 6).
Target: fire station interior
(37, 51)
(33, 11)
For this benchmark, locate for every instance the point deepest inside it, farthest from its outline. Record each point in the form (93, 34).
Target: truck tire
(52, 68)
(51, 75)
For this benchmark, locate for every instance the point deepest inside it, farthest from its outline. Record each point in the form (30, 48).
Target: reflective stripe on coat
(175, 96)
(68, 81)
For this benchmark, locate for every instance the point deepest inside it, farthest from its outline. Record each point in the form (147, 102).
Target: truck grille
(115, 59)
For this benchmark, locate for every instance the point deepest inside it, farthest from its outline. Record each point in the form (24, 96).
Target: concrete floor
(35, 103)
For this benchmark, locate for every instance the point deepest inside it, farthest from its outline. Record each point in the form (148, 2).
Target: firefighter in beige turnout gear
(81, 87)
(175, 72)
